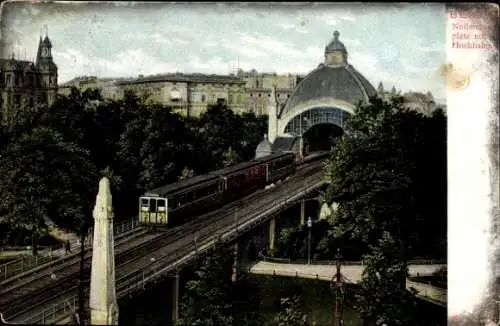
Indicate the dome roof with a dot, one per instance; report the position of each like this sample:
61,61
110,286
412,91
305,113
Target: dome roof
335,44
341,83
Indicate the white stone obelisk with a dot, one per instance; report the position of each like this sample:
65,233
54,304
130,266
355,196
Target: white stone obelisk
103,305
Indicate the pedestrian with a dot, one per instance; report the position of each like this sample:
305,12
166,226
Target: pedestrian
68,247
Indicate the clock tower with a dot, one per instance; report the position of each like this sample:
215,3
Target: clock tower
47,68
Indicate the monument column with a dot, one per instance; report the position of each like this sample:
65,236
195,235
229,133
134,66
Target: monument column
103,305
272,126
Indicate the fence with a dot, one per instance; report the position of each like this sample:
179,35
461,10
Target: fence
26,263
343,262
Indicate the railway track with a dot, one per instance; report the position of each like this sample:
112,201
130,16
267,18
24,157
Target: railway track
134,263
29,265
55,280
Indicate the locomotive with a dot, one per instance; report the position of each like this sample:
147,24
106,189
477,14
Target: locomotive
172,204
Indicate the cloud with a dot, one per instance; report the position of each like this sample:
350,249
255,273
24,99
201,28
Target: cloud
330,21
348,18
335,18
295,27
196,64
73,63
245,51
271,45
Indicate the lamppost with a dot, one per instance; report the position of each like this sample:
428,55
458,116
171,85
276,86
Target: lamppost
309,226
338,285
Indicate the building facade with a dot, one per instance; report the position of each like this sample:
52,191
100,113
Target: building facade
417,101
189,94
25,83
107,86
259,88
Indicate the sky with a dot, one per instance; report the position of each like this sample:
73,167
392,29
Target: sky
398,44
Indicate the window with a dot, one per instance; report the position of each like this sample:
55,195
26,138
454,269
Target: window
31,101
251,94
144,204
203,97
161,205
260,95
152,206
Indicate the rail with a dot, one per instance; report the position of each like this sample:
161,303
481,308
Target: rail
158,268
15,267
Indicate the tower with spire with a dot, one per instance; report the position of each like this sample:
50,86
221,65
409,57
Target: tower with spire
380,90
46,66
26,83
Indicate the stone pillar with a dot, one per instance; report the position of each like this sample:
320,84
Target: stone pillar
302,212
175,299
234,275
272,125
103,305
272,234
301,146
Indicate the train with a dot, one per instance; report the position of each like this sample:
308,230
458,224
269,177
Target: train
173,204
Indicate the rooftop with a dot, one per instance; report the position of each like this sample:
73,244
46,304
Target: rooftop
190,78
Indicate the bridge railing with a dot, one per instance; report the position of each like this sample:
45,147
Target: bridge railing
26,263
139,278
428,291
278,260
54,313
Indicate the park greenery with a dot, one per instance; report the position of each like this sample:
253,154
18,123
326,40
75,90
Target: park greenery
388,194
387,188
388,197
51,158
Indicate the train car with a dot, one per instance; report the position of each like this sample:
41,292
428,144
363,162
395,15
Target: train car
242,178
183,198
279,166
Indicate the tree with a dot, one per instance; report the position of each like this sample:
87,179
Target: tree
41,172
211,298
219,129
376,176
290,314
207,297
383,298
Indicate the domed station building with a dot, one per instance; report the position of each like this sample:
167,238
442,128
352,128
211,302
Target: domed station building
325,96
